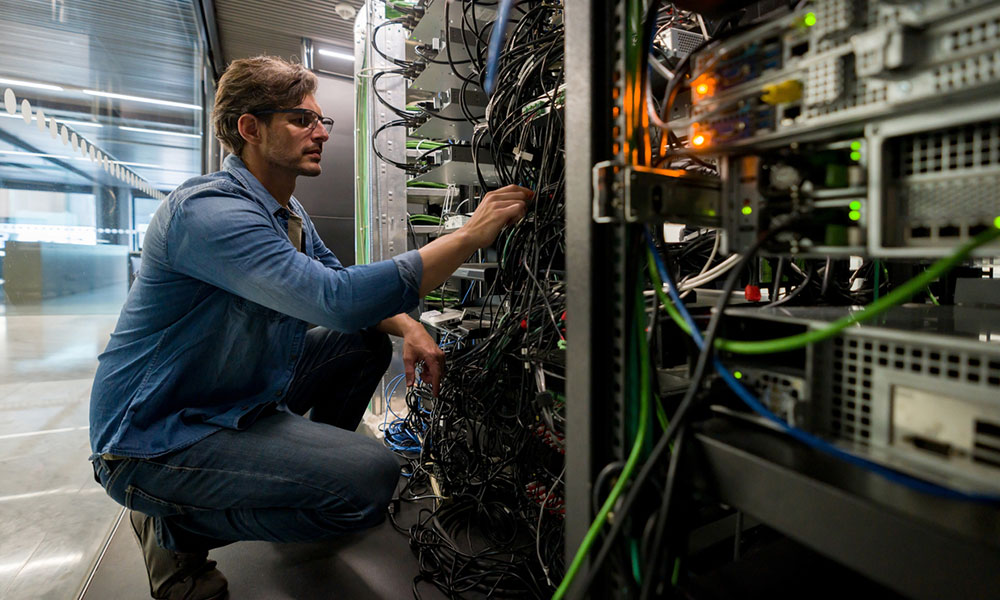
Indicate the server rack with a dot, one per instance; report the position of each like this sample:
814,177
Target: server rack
915,545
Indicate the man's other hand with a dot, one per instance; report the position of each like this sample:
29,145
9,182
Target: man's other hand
418,346
498,209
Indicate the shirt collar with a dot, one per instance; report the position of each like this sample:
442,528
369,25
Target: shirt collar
234,165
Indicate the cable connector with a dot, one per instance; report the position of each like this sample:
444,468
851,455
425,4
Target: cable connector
751,293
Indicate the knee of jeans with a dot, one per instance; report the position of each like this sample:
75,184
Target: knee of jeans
374,485
379,479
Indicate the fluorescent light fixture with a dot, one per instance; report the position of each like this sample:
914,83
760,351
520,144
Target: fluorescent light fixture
81,123
141,99
35,154
31,84
60,121
161,132
335,54
133,164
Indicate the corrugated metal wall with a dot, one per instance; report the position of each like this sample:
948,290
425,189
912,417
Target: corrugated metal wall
252,27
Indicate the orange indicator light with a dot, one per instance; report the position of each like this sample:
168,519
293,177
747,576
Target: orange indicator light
702,86
698,140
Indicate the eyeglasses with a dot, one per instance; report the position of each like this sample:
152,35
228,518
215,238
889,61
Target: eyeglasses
303,117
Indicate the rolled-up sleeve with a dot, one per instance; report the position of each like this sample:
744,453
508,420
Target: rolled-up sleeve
411,271
230,242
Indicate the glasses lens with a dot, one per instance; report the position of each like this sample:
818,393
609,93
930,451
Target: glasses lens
304,119
327,124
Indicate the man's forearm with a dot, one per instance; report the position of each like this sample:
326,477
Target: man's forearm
442,257
398,325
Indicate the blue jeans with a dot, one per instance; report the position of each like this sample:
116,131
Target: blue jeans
283,479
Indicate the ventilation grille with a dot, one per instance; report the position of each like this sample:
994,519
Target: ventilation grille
975,70
986,444
947,183
850,401
867,92
824,82
967,147
974,35
779,392
854,360
836,19
680,42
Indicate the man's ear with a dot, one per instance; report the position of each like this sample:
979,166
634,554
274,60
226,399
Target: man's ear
251,129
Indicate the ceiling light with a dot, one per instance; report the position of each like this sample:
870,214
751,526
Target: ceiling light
141,99
161,132
334,54
35,154
31,84
81,123
60,121
135,164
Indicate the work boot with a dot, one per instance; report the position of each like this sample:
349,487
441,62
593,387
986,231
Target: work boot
176,575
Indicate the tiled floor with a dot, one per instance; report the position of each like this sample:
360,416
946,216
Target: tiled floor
54,519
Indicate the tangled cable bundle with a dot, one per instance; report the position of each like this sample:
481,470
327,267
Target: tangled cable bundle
488,452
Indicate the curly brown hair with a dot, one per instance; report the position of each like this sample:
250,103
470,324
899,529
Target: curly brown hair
253,84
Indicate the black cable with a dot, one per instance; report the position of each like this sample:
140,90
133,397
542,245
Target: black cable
682,410
393,60
655,563
398,123
798,289
776,276
490,436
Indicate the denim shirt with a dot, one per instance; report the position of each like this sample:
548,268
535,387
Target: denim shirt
216,320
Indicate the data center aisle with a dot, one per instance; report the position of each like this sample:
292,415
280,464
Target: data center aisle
53,517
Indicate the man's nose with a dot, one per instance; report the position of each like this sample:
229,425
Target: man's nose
319,133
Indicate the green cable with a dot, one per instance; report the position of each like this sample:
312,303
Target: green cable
626,474
428,218
661,415
426,184
932,296
634,551
424,144
361,164
793,342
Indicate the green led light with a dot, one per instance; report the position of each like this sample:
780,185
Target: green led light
809,19
996,222
738,374
856,205
855,145
854,215
747,210
855,155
